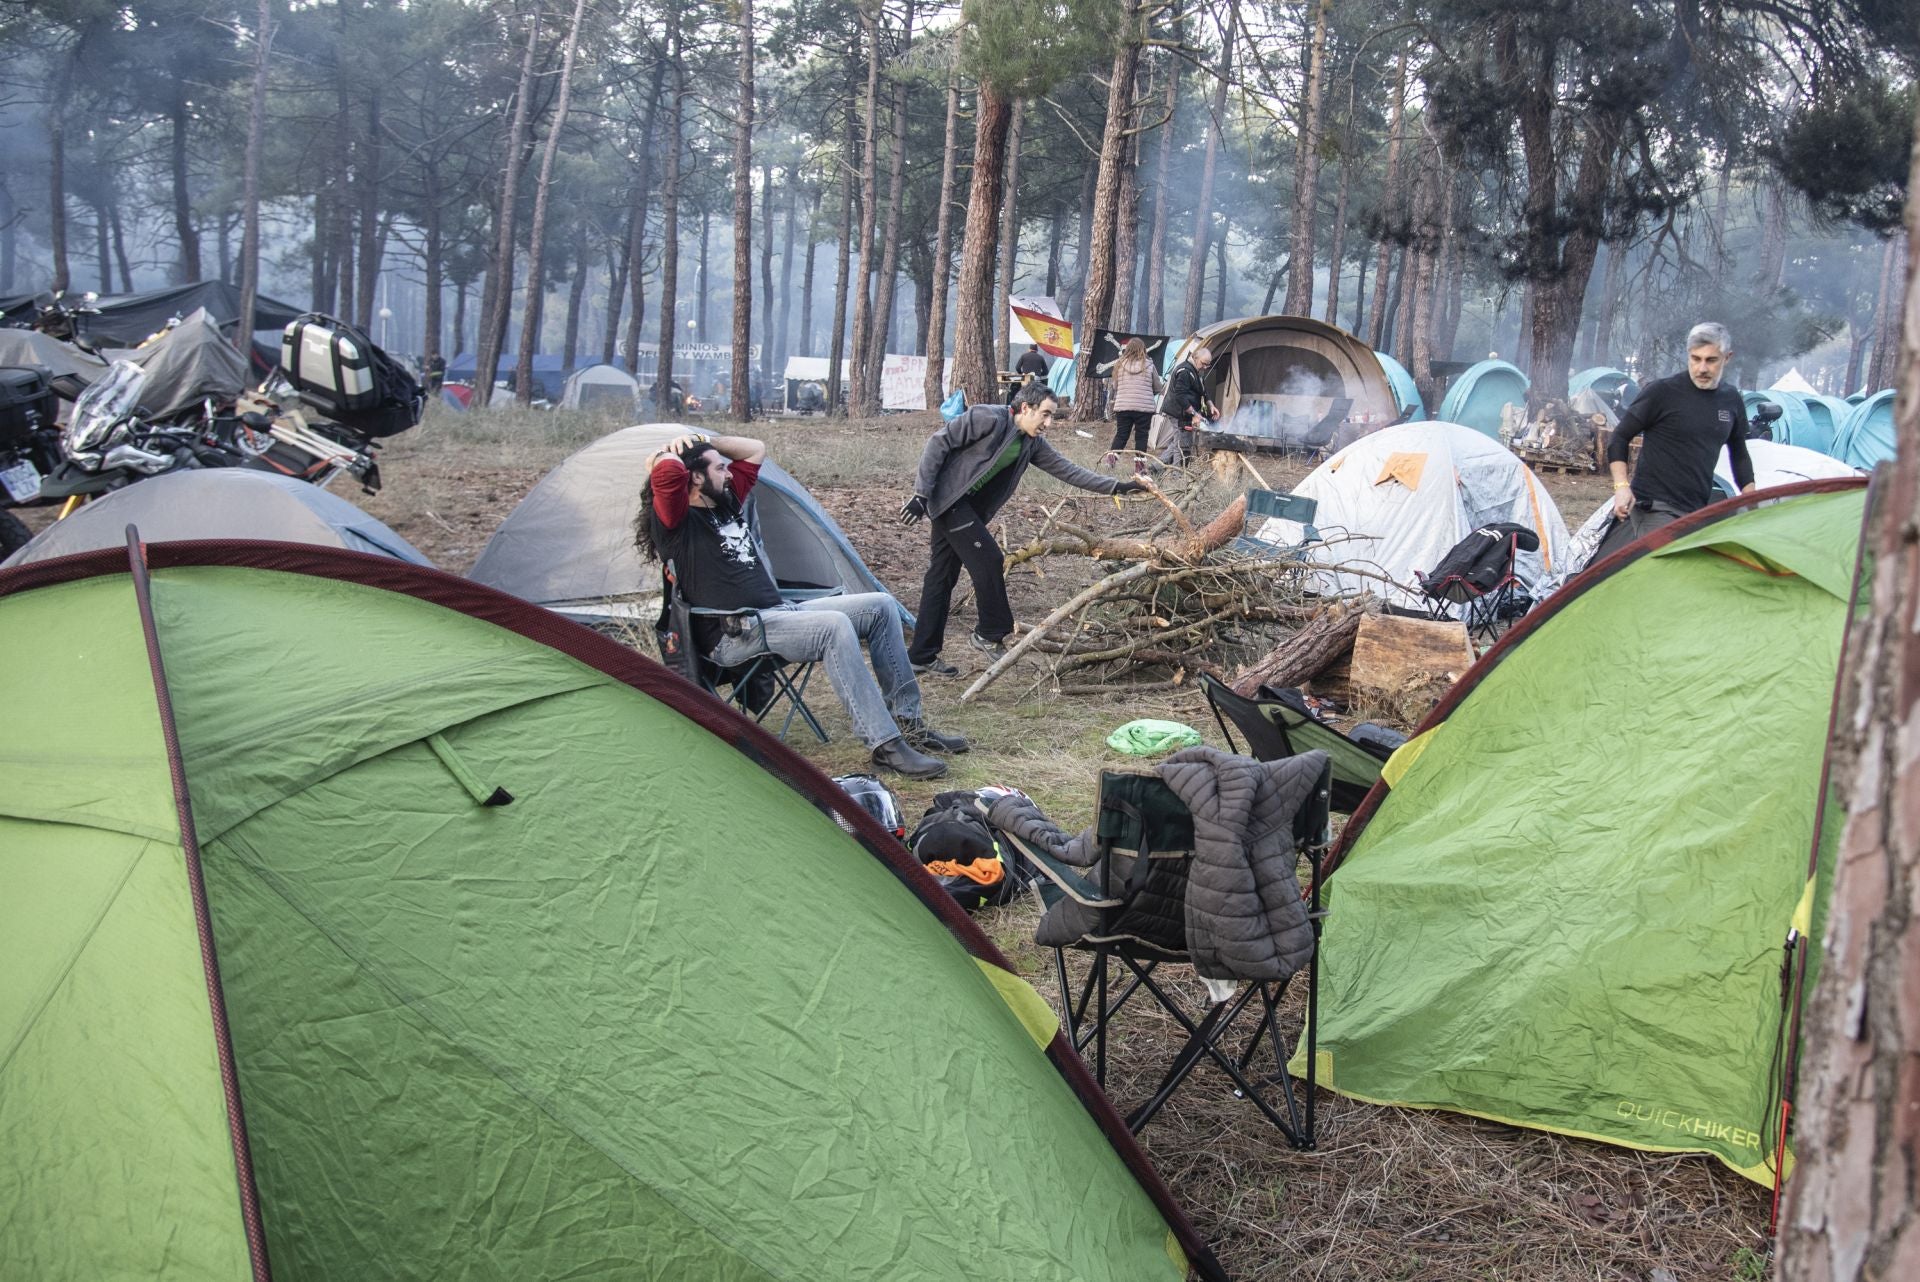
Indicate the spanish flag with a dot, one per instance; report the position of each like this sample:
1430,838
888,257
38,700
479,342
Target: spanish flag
1040,321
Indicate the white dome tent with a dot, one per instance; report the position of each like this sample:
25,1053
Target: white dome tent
1395,501
600,385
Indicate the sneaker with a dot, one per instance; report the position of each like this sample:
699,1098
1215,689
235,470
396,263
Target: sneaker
935,667
1139,467
1112,460
925,738
992,649
898,755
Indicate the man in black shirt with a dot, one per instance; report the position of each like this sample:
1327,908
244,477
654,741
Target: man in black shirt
1185,402
1030,366
1686,419
692,514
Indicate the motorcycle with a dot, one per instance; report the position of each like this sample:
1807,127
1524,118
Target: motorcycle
58,315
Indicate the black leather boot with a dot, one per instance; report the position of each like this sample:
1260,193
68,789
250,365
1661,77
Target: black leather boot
898,755
925,738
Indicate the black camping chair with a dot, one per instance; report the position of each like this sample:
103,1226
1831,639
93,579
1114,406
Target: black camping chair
1140,816
1279,724
1477,576
755,687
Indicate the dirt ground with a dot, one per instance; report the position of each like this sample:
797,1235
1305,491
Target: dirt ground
1389,1193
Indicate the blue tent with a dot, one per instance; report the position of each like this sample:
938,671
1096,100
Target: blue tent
1829,415
1867,437
549,372
1405,393
1607,383
1854,398
1795,426
1477,396
1064,376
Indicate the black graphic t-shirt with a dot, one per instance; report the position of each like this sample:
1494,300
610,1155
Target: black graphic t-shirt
719,563
1685,428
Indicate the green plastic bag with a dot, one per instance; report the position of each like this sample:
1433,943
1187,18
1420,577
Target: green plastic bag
1150,738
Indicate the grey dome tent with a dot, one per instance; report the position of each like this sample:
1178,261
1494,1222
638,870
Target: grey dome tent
600,385
1292,382
569,545
219,503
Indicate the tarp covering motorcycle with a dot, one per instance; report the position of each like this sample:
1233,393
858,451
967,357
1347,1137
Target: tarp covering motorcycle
502,920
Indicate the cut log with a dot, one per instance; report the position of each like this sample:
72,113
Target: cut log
1324,641
1392,653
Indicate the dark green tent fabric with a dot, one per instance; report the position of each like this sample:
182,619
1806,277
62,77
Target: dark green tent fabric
1567,906
658,1016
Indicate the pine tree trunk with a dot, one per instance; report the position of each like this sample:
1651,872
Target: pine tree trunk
542,189
1858,337
862,399
1203,206
705,289
1425,250
740,407
1773,239
617,265
1156,314
460,317
367,187
1359,292
434,252
1851,1211
1306,173
1056,235
884,288
103,245
782,335
1220,261
1390,201
1126,230
1097,305
836,349
1337,251
346,202
973,350
183,231
496,296
665,332
576,295
1010,238
57,167
635,256
250,179
936,344
1076,288
769,305
1886,316
806,277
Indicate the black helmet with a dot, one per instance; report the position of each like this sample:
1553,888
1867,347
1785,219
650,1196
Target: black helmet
876,799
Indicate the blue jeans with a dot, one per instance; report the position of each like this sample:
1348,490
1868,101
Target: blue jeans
829,630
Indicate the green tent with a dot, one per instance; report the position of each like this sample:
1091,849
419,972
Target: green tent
359,921
1567,903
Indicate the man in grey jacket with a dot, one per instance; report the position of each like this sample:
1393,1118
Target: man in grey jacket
969,469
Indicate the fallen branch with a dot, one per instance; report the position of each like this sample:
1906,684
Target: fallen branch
1067,611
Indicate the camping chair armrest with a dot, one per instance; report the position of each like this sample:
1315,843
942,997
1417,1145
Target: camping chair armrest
808,592
1060,873
757,629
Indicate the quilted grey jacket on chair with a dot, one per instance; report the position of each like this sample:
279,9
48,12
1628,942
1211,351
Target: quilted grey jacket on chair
1243,917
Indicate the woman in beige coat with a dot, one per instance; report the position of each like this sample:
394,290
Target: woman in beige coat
1136,394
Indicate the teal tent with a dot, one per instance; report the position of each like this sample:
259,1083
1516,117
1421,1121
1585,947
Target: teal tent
1795,426
1553,911
1609,384
1478,396
1406,393
1064,376
1867,436
363,922
1829,415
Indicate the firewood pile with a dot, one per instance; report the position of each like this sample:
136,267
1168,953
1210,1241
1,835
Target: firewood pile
1179,596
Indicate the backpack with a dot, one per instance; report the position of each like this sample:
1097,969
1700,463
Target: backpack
957,845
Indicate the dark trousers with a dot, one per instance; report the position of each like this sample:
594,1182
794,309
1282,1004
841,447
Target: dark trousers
961,540
1136,423
1643,519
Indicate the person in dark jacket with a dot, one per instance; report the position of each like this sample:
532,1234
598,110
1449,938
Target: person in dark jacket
1686,420
1186,402
1031,365
970,467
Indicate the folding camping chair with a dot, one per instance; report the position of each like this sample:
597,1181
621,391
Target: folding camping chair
1141,817
1263,505
1477,576
1279,724
755,687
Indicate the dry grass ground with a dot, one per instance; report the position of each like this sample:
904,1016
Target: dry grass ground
1389,1193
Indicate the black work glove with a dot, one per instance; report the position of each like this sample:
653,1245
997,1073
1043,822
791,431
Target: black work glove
1129,487
914,510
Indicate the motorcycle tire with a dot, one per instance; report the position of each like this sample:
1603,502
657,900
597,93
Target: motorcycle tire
13,534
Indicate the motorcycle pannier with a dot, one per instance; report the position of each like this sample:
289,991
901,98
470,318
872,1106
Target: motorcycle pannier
26,402
338,370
